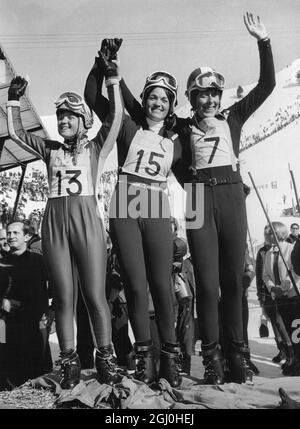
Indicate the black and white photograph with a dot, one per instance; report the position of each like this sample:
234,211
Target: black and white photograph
150,207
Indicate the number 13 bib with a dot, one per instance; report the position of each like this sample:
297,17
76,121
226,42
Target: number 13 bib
67,179
212,145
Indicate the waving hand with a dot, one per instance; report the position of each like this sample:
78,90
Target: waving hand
255,26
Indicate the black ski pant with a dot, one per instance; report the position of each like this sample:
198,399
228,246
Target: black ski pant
218,250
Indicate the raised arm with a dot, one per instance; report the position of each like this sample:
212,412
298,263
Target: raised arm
30,142
111,126
131,104
244,108
93,92
93,89
109,131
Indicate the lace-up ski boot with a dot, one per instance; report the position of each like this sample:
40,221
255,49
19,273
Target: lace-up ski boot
70,369
239,371
106,365
170,367
145,368
213,362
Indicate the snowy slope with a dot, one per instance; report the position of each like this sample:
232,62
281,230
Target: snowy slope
270,159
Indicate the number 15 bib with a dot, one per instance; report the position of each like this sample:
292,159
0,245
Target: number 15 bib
150,155
212,145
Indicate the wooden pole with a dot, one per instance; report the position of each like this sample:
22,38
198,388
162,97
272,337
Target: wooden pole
275,236
23,167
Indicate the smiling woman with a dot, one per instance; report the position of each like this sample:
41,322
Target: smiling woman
147,149
68,124
157,104
205,153
208,102
73,234
218,248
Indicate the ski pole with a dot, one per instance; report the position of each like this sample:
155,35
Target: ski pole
275,235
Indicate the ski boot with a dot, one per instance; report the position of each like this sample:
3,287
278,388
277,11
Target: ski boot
239,371
106,365
213,362
145,368
170,364
70,369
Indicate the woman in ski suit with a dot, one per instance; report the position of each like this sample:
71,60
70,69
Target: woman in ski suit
218,248
210,150
147,149
73,235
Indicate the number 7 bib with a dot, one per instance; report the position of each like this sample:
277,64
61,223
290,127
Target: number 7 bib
212,148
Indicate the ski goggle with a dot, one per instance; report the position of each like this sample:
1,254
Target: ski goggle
209,80
163,80
157,77
76,104
71,99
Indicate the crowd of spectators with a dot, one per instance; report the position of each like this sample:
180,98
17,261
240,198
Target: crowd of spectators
282,118
35,188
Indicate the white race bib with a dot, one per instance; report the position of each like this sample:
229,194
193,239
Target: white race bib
212,145
69,181
150,155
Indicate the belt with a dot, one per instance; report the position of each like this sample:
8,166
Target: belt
213,181
145,186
